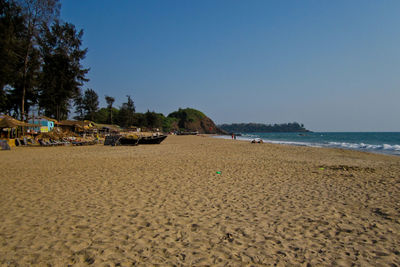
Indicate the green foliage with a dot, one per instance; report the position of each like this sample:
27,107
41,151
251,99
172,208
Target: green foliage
168,124
186,115
110,101
62,74
139,120
37,15
259,127
19,60
149,120
102,115
79,107
126,113
11,38
90,104
154,120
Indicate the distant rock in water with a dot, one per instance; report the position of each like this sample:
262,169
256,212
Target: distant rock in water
192,120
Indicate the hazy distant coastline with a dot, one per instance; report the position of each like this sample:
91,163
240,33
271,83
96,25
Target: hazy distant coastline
263,128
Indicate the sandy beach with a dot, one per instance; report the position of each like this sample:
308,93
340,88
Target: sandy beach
167,205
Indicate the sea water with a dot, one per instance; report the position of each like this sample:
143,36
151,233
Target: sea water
378,142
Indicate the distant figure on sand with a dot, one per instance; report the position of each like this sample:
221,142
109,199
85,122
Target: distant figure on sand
257,141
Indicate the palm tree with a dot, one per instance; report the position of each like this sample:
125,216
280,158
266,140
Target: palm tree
110,101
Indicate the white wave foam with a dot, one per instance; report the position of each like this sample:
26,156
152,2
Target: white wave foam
355,145
365,146
391,149
292,143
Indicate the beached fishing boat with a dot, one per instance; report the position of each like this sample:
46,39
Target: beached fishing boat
128,141
133,140
120,140
145,140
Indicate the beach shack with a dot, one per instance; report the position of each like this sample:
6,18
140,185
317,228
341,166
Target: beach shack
80,127
11,129
45,124
104,129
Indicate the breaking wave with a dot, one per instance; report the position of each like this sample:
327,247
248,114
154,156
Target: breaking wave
393,149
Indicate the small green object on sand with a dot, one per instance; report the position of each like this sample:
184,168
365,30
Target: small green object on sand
218,172
322,169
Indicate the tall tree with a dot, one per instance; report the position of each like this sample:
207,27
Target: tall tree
153,119
36,13
125,115
90,104
79,107
11,25
62,72
110,101
12,29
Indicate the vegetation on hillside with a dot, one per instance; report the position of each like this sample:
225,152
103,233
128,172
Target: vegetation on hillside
259,127
184,116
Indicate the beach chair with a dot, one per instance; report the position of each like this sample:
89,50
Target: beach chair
24,141
44,143
63,142
54,142
31,141
76,143
17,142
66,141
4,145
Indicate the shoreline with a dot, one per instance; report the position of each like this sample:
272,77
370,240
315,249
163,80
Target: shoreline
196,200
335,145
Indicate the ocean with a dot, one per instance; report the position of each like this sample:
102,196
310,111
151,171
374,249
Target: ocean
377,142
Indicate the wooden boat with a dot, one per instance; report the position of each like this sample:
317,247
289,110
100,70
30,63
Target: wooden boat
146,140
128,141
133,140
119,140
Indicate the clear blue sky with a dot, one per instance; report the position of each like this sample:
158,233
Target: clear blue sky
332,65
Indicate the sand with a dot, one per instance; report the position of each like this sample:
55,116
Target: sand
166,205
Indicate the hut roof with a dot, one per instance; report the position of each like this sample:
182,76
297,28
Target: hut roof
43,118
79,124
9,122
107,126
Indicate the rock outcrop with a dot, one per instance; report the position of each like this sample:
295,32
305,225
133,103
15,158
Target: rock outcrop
192,120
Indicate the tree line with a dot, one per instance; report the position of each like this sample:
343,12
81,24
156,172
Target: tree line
259,127
87,108
40,59
41,69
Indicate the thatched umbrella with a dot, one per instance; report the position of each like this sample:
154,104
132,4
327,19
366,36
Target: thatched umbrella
8,122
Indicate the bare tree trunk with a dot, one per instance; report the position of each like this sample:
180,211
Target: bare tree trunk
58,112
28,48
24,84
